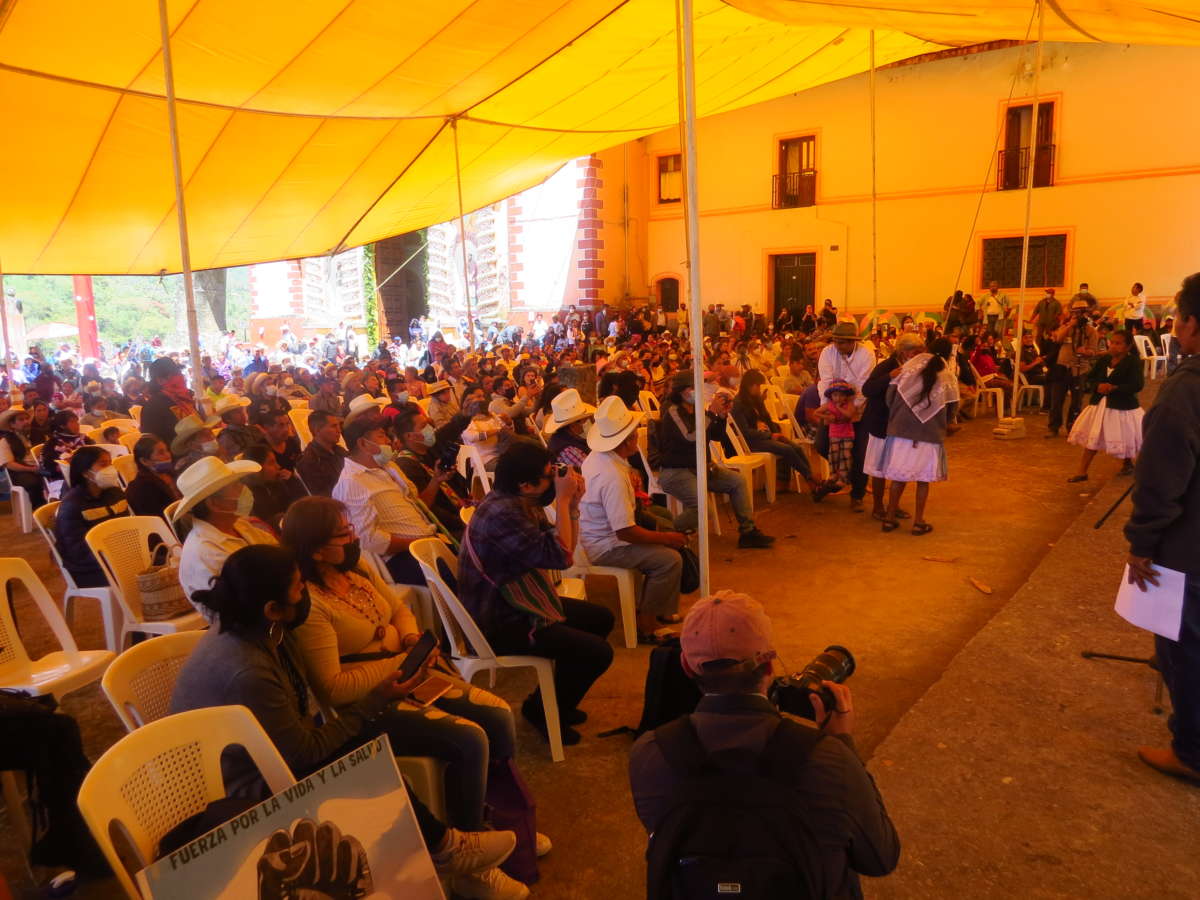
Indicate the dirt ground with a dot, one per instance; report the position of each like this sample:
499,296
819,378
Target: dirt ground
832,578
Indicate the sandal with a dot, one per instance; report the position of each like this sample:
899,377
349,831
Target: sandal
1075,479
901,514
890,525
882,517
922,528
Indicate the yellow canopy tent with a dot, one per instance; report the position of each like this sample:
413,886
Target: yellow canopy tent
309,125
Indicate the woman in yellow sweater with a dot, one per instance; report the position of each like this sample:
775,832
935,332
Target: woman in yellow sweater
358,631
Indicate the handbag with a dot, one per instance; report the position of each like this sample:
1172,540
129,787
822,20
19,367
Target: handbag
689,575
510,806
162,594
533,592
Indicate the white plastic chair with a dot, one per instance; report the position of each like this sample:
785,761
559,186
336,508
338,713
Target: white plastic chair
129,439
57,673
135,413
299,419
44,519
178,529
122,547
1151,358
748,462
478,470
126,426
165,772
126,467
629,586
22,508
649,404
470,650
139,682
1036,392
992,396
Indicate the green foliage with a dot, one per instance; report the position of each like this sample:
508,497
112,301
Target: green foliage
370,299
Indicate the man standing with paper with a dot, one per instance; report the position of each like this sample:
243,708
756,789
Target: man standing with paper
1164,529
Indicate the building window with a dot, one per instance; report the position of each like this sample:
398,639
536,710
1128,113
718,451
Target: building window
1047,261
795,183
1012,168
670,178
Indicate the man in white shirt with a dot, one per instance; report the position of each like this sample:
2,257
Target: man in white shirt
381,502
995,305
608,532
848,359
219,504
1135,310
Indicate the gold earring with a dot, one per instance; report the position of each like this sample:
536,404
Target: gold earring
277,638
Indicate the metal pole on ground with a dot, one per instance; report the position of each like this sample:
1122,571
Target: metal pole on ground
185,253
4,324
462,237
874,208
685,46
1029,178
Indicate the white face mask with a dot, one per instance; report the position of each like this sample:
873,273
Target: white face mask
106,477
270,390
428,436
245,502
212,448
689,397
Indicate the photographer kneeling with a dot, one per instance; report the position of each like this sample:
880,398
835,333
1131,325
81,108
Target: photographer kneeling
738,796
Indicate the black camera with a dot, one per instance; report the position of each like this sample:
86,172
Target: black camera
793,693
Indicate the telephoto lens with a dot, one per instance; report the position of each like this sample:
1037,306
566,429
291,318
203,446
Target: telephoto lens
793,693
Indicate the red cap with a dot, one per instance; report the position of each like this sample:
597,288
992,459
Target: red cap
726,625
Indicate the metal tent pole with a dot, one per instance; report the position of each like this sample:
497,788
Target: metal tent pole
874,195
685,46
185,253
462,237
4,326
1029,177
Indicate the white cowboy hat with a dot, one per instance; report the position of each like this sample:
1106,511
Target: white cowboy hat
206,476
230,402
567,407
363,403
436,387
187,427
614,423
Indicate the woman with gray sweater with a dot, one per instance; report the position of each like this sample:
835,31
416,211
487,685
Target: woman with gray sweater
251,661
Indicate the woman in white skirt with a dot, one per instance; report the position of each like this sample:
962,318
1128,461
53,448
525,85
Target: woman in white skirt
1112,421
914,450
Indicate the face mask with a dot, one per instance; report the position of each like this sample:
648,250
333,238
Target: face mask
428,436
350,556
401,397
245,503
689,397
270,390
212,448
106,477
384,455
303,608
163,467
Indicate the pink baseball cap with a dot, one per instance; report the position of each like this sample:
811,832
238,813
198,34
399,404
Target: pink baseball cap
726,625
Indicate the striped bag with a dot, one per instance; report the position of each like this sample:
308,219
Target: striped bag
532,592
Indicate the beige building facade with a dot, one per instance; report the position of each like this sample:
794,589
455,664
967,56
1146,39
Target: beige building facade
785,186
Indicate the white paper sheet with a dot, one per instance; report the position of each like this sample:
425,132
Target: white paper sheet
1158,609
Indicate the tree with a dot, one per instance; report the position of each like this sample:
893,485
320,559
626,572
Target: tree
210,289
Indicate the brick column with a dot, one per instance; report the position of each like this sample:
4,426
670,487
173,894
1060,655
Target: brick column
589,241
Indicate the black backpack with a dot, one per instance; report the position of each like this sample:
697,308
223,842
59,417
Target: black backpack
669,692
735,828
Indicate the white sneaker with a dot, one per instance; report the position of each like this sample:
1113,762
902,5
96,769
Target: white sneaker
543,845
491,884
468,852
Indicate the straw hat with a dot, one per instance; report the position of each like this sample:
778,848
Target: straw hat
567,407
361,404
187,427
11,413
206,476
614,423
230,402
436,387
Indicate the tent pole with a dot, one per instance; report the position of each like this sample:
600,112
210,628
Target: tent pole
685,47
185,253
462,238
4,325
1029,177
874,194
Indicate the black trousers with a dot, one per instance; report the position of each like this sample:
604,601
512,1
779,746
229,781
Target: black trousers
405,569
858,478
1179,662
1062,384
579,647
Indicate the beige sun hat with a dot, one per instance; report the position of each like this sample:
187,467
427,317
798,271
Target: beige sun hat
567,407
206,476
187,427
614,423
230,402
361,404
436,387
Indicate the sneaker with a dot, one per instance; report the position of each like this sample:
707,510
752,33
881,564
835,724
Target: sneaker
489,885
754,540
543,845
468,852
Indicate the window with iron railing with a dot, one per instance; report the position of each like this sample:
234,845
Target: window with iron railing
1012,168
795,183
1047,266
